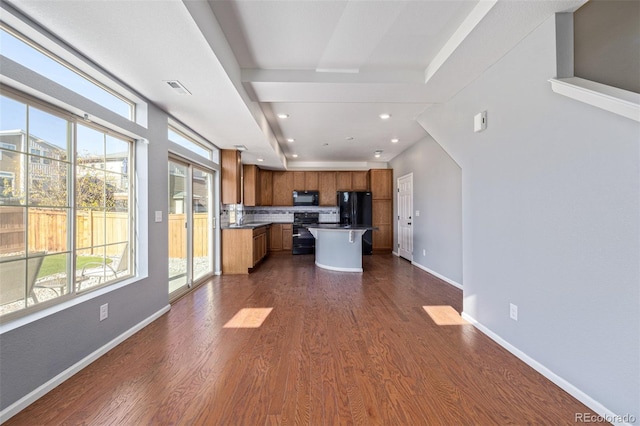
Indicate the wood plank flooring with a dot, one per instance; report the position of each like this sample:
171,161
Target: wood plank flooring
337,348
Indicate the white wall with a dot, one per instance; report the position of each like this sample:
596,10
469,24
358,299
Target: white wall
551,196
437,194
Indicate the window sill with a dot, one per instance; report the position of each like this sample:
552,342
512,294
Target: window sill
12,324
612,99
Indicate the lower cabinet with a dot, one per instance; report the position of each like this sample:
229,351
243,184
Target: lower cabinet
242,249
287,237
383,220
281,237
260,249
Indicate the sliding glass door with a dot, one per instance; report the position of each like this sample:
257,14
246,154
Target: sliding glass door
190,225
202,230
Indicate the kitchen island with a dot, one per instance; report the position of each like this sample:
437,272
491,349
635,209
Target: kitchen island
339,247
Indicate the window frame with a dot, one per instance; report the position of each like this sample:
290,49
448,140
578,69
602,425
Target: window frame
73,292
133,107
175,129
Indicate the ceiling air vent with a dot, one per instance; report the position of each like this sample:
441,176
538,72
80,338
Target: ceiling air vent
178,87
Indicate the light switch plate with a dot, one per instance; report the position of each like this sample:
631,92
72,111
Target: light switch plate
158,216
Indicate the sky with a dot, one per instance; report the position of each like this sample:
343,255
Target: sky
22,53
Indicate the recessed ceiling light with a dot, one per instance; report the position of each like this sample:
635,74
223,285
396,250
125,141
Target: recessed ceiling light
385,116
283,115
377,153
395,140
260,160
241,147
295,155
291,140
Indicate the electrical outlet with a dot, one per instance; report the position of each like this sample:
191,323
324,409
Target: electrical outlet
104,311
513,311
424,252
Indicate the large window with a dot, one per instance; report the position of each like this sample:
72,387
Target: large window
179,138
65,215
21,50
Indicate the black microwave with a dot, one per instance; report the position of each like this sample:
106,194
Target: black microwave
305,198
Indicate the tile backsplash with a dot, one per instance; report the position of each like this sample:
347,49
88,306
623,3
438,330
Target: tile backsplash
274,214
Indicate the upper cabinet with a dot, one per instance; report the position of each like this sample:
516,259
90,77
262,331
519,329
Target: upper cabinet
327,181
274,188
381,184
343,181
352,181
231,176
360,181
311,181
266,187
252,189
283,188
298,181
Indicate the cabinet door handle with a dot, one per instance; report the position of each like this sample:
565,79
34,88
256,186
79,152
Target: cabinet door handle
409,223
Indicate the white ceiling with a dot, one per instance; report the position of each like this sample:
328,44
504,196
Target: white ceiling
332,65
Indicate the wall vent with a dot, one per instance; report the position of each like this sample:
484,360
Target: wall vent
178,87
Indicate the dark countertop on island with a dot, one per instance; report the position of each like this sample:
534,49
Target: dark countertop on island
253,225
340,227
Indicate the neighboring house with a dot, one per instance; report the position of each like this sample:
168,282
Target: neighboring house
44,164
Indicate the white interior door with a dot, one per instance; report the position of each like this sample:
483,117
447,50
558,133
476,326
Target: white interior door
405,222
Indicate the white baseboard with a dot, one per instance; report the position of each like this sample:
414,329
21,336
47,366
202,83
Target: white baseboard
396,254
41,390
434,273
600,409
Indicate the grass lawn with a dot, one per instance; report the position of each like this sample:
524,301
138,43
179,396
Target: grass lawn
58,263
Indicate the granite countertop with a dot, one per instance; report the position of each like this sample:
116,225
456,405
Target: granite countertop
340,227
252,225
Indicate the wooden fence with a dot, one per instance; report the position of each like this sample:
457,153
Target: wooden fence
178,235
48,231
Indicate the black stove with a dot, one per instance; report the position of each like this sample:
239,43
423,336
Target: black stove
303,241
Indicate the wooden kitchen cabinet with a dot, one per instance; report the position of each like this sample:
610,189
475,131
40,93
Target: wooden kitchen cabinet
266,187
275,243
283,188
242,249
260,244
360,181
381,181
251,179
327,182
287,237
311,181
298,181
343,181
281,237
231,176
381,184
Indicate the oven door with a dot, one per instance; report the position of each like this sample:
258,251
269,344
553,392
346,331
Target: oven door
303,240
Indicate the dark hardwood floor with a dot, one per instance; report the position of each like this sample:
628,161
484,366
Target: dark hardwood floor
337,348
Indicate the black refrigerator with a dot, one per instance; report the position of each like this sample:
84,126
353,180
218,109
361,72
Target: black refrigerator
355,209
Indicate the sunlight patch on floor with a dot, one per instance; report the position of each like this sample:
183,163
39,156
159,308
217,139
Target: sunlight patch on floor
248,318
444,315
